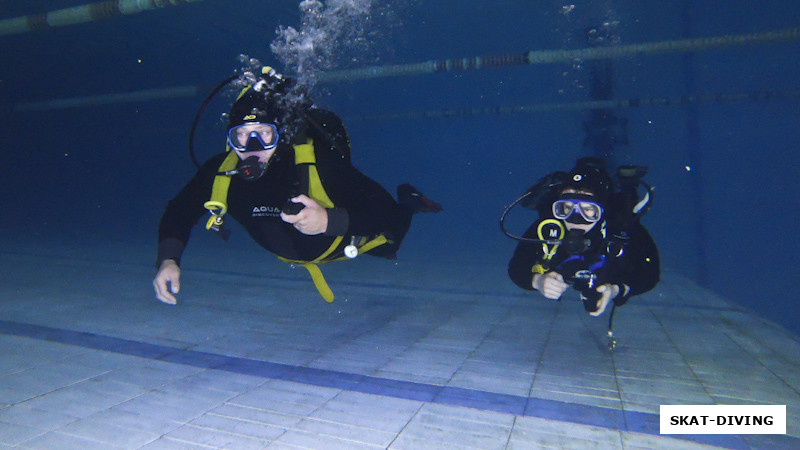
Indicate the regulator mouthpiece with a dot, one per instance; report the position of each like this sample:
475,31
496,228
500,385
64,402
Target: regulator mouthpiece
251,169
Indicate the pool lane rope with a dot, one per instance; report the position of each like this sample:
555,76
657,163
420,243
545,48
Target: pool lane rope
191,91
475,63
683,100
563,56
90,12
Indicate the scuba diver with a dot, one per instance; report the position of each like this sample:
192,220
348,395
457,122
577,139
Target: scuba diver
286,177
588,236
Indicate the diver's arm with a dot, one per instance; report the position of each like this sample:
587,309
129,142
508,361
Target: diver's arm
170,248
608,293
183,212
174,230
550,284
641,265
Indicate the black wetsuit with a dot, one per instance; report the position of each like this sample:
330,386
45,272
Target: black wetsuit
627,255
361,206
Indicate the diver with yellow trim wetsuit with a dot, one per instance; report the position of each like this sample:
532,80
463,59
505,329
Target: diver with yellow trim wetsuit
588,236
287,179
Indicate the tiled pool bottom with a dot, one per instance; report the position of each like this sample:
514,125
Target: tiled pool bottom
91,360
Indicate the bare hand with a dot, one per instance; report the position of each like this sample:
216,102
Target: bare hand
313,219
168,273
550,284
608,291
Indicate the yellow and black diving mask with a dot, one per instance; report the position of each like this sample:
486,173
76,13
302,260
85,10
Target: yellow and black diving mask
589,210
253,137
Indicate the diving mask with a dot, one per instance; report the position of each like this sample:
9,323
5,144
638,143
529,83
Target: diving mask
253,137
590,211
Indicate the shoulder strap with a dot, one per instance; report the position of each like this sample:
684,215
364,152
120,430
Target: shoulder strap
218,204
306,162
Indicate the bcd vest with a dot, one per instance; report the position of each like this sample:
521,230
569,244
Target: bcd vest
305,161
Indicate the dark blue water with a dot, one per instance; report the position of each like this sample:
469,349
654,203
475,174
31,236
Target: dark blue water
726,173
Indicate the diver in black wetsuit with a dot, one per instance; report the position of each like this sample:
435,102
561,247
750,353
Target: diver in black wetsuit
587,236
287,178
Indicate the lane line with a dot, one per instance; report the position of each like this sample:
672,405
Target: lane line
630,421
